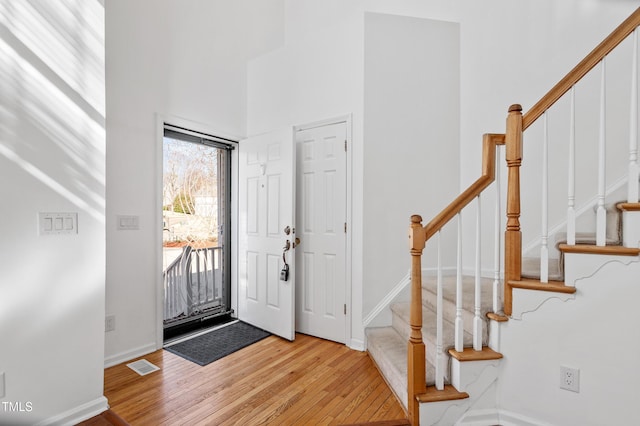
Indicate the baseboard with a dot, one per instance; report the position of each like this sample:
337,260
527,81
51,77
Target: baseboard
357,345
495,416
129,355
78,414
480,417
386,301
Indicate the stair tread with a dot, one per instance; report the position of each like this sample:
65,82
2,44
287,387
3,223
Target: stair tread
618,250
389,351
553,286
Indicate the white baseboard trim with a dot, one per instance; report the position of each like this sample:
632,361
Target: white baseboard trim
116,359
494,416
78,414
479,417
357,345
386,301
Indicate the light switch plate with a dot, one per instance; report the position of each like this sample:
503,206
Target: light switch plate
128,223
54,223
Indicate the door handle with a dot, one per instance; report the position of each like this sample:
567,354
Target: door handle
296,242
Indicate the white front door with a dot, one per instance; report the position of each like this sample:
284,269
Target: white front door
321,219
266,207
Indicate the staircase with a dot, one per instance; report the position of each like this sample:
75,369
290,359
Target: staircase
441,352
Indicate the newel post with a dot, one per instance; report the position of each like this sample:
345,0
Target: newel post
416,377
513,236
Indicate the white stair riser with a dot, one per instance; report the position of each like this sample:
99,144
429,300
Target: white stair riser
631,229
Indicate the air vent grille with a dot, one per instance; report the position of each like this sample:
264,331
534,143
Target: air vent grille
143,367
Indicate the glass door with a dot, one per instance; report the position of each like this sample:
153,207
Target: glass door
196,227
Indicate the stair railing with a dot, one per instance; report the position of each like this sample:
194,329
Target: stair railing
517,124
418,236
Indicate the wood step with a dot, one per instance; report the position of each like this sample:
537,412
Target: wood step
593,249
554,286
628,207
469,354
449,393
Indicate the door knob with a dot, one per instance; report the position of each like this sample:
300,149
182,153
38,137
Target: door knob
296,242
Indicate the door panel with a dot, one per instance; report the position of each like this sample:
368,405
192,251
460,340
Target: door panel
266,206
321,201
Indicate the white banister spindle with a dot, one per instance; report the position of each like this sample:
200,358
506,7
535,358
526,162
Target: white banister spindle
439,371
601,212
496,243
544,244
477,321
634,170
459,324
571,170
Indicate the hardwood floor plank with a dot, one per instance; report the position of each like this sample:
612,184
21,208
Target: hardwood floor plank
274,381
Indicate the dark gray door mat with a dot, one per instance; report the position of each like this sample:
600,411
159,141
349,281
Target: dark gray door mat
208,347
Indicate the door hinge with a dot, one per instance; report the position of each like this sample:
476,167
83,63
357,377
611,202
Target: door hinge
345,309
345,145
345,227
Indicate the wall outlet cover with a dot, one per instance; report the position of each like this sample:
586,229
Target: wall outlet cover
570,379
110,323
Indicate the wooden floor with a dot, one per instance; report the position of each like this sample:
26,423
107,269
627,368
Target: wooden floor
306,382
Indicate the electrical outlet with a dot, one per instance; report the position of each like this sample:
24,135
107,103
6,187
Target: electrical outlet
110,323
570,379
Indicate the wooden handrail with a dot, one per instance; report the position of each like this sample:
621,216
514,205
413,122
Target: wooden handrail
418,235
489,142
580,70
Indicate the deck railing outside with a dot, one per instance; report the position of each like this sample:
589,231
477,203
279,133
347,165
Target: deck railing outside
193,283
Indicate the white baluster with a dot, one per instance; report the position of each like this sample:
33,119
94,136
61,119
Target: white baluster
601,212
571,212
459,323
496,243
544,244
634,170
439,372
477,321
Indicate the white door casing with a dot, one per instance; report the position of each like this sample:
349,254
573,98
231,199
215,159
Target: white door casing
266,206
321,218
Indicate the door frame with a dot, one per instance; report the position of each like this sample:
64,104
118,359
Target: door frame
347,119
161,119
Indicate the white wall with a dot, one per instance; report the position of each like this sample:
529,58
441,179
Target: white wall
52,159
182,61
411,139
595,333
